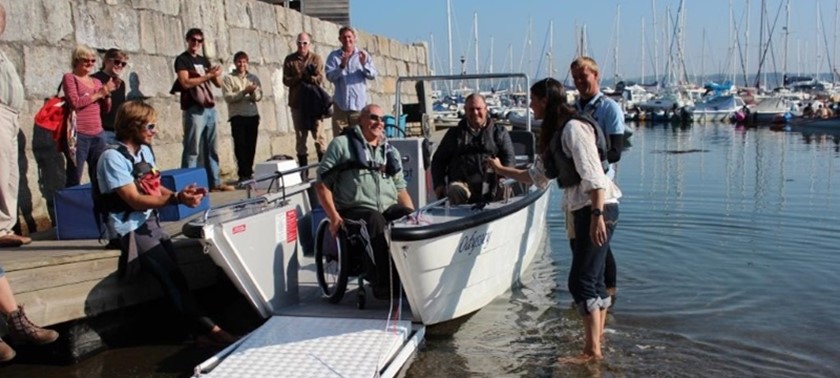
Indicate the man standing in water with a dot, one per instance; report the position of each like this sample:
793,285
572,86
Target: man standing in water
611,119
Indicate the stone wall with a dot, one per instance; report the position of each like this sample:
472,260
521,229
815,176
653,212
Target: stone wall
40,35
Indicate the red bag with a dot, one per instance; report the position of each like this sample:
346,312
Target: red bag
54,117
51,116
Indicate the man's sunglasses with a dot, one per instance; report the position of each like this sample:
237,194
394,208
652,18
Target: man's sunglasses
199,40
376,118
302,43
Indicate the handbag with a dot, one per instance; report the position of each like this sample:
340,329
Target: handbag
52,115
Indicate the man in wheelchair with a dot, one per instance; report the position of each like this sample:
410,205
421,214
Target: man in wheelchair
361,178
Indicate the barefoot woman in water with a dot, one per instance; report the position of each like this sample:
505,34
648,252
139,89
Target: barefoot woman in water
573,150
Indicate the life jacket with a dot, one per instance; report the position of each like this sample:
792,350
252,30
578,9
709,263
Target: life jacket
146,177
561,166
362,159
469,165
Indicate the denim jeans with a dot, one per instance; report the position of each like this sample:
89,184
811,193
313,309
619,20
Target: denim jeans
88,149
110,137
200,142
586,276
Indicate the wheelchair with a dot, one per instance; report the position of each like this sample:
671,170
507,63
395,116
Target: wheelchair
337,258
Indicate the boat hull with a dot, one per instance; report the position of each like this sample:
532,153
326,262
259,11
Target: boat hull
447,275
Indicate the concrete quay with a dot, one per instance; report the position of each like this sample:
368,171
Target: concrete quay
61,281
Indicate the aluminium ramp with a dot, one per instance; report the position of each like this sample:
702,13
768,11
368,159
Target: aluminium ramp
288,346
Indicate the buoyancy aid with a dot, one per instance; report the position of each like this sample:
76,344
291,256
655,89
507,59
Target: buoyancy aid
145,175
362,158
468,163
561,166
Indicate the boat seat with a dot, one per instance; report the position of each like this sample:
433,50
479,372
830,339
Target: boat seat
524,147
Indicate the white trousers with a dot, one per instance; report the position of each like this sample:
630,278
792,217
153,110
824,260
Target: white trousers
9,170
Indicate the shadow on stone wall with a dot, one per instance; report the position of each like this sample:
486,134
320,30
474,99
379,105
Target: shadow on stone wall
134,92
51,168
25,206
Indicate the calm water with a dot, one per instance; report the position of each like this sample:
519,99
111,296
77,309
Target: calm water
727,260
728,267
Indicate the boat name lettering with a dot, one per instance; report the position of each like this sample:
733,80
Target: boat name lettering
475,242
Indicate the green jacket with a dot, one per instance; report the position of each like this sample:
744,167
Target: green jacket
355,187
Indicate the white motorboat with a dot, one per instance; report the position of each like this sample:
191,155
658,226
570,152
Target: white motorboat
455,260
718,108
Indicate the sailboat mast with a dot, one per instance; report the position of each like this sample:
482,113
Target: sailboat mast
615,50
834,45
702,59
642,79
747,44
449,31
655,45
818,63
530,49
787,36
475,39
732,47
760,43
550,48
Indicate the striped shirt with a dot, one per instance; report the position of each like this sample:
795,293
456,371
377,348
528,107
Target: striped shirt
80,95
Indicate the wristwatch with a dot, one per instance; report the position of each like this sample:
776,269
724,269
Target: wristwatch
597,212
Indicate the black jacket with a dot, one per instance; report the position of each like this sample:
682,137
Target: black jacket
315,104
461,155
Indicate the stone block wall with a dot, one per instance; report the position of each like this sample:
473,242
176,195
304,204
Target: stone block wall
41,34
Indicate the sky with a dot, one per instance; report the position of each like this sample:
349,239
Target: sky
506,24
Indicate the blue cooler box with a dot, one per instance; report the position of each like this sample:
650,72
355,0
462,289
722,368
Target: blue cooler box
177,179
74,217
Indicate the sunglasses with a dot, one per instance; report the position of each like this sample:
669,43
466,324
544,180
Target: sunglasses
376,118
198,40
302,43
91,61
119,63
150,127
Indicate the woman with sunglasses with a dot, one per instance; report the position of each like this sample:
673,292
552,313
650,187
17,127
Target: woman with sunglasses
86,96
128,191
572,149
112,67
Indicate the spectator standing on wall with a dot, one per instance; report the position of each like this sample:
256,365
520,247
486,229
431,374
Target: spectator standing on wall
112,67
242,90
304,67
87,97
11,100
199,113
348,68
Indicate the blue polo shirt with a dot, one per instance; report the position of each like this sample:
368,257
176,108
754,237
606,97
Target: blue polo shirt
114,171
609,115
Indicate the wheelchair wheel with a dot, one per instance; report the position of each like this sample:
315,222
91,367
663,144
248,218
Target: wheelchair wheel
331,262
